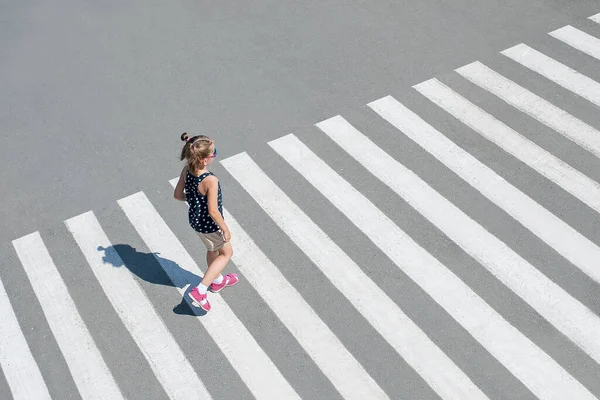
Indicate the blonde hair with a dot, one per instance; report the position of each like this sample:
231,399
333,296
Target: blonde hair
195,150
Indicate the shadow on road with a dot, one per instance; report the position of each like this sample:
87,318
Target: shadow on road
151,267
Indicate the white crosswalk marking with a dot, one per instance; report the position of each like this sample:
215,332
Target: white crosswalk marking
570,179
514,351
579,40
385,316
338,365
566,313
567,241
89,371
22,373
559,73
255,368
164,355
352,381
534,106
519,355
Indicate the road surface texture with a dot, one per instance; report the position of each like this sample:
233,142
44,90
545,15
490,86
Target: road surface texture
412,190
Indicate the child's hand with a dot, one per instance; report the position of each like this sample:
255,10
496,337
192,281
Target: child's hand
226,235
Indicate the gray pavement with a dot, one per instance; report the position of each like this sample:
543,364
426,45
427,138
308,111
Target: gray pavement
96,95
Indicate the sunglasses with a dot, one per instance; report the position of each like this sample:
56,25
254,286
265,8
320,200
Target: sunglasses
214,154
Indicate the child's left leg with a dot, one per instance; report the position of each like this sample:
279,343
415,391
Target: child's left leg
210,257
218,262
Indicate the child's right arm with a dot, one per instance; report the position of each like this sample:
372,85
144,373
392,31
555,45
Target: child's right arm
179,194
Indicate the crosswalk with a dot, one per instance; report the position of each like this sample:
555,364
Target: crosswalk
324,343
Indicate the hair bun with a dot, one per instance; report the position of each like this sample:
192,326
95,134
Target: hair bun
184,137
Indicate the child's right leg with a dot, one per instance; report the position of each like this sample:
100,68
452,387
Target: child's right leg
211,256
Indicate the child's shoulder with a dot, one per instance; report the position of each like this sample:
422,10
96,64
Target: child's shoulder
210,178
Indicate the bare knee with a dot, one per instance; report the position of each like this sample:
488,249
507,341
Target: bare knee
226,250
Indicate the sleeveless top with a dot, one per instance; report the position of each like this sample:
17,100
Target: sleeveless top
198,216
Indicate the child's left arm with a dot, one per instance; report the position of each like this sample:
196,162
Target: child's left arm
212,189
179,194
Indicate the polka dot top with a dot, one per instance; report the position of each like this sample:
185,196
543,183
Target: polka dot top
198,211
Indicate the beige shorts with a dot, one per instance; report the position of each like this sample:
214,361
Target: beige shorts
213,241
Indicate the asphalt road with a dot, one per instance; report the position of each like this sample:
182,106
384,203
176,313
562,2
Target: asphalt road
95,95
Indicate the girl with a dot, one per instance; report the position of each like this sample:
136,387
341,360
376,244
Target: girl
203,194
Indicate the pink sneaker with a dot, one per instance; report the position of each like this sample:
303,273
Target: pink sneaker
228,280
199,300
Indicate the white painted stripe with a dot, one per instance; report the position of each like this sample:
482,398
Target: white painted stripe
89,371
550,300
164,355
22,373
570,179
243,352
534,106
579,40
564,239
595,18
519,355
559,73
352,381
365,295
330,355
576,248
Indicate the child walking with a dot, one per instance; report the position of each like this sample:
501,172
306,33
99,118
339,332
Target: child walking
205,214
